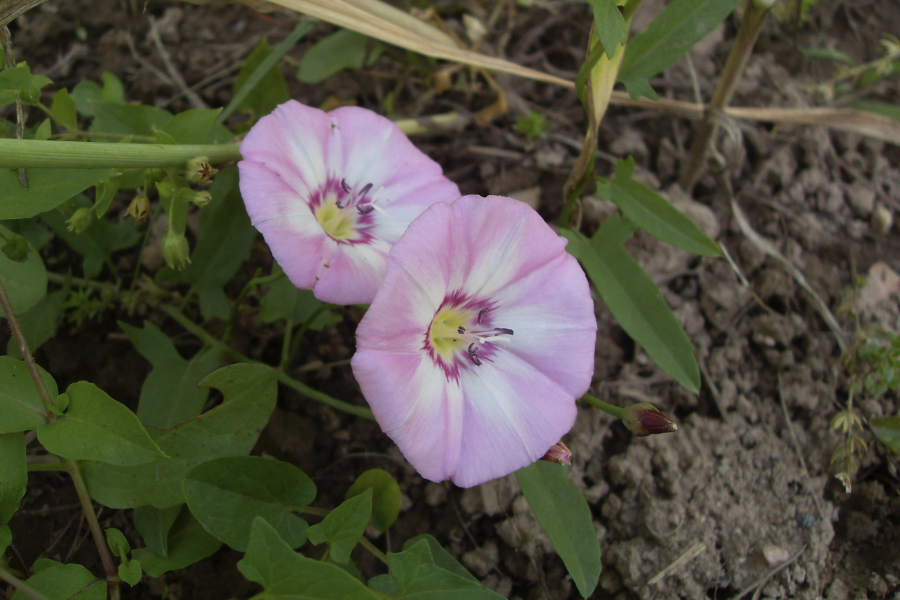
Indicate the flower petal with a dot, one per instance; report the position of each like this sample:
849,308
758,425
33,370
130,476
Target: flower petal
513,415
294,142
414,407
351,273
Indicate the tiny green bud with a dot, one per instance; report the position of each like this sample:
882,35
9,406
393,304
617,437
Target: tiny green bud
16,248
199,171
644,419
80,220
201,199
175,249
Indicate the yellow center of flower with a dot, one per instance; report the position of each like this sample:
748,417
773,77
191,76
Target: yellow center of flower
337,223
444,336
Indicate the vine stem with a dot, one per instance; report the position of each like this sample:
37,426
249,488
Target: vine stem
616,411
283,377
751,24
21,585
96,155
109,567
371,548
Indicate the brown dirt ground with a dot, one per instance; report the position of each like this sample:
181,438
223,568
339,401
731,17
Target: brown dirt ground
726,494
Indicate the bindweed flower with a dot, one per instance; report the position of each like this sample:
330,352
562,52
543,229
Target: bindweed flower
479,341
558,453
644,419
332,192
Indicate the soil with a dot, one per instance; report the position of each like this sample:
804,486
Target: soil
742,499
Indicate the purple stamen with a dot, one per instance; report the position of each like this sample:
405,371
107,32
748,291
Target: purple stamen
481,314
365,211
344,186
473,354
503,330
365,189
461,330
338,204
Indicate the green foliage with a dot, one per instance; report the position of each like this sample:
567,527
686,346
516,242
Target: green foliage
25,281
287,575
5,538
653,213
187,543
47,189
669,36
63,110
609,24
386,496
128,119
532,125
13,475
565,517
343,526
425,570
886,109
56,581
230,429
635,302
154,525
224,241
227,494
19,79
341,50
170,394
196,126
267,88
96,427
87,92
887,430
129,569
286,301
20,403
878,367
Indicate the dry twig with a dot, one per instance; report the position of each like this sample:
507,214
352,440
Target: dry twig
174,75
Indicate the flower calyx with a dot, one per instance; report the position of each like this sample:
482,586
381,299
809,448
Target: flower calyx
558,453
176,250
139,208
80,220
644,419
200,171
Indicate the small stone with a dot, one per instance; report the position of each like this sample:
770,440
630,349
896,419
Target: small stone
882,220
482,560
775,555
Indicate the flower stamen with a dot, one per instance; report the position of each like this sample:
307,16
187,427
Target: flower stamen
481,314
473,354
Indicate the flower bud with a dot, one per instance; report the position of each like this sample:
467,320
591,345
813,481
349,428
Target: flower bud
139,208
16,249
201,199
559,453
175,249
199,170
81,219
644,419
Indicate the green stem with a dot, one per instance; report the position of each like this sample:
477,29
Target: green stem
310,510
295,345
751,24
566,214
137,266
371,548
292,383
97,155
254,283
21,585
616,411
286,341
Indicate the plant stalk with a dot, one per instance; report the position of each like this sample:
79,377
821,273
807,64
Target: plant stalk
98,155
21,585
751,24
616,411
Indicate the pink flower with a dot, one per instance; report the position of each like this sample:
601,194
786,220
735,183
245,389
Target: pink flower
479,341
332,192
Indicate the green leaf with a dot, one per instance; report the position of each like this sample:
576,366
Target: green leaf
113,91
656,215
610,25
887,430
84,94
128,119
386,496
442,558
886,109
418,575
20,79
197,126
829,54
344,49
63,110
130,571
343,526
96,427
57,581
105,192
286,575
670,35
187,543
154,525
5,538
615,230
565,517
13,474
117,543
384,584
230,429
97,243
223,242
267,92
284,300
47,189
20,403
25,282
43,131
39,322
638,88
170,394
636,303
226,494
